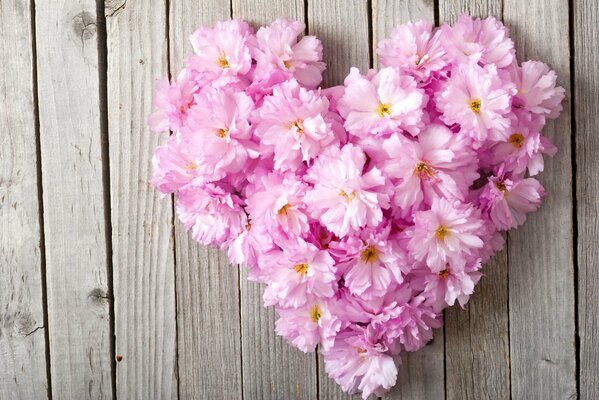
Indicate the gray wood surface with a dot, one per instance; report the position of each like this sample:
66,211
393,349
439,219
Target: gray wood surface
344,37
22,343
477,339
142,242
271,368
73,198
541,256
586,92
209,328
422,373
187,324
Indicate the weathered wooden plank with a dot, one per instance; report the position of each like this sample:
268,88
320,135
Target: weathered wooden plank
208,322
22,344
422,374
477,339
271,368
74,223
343,28
143,248
586,92
541,284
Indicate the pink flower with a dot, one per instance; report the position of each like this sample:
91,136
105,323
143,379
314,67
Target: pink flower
213,215
447,233
414,49
377,264
436,164
172,102
386,102
510,199
451,284
345,198
248,246
178,163
279,49
298,274
308,326
523,149
222,51
479,41
358,361
220,122
478,100
291,123
538,92
276,202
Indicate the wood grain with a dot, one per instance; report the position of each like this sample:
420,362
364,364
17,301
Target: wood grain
344,36
74,222
422,373
477,340
143,248
586,91
209,327
541,289
22,344
271,368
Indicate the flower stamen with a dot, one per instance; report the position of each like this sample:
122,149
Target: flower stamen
424,170
223,62
383,110
283,210
297,124
347,197
315,313
301,269
221,133
444,274
369,254
442,232
516,139
475,105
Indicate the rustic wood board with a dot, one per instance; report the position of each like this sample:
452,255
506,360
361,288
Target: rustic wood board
74,215
271,368
586,92
142,241
422,374
477,340
22,343
209,327
541,270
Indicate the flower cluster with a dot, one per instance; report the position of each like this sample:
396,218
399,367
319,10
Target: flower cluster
366,208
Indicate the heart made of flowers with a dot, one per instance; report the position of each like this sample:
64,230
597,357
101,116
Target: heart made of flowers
365,208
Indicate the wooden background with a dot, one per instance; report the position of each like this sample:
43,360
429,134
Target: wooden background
103,296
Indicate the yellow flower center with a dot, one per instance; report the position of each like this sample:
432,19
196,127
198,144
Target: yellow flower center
359,350
297,124
369,254
347,197
501,186
283,210
474,105
221,133
301,268
287,64
192,166
383,110
315,313
423,169
444,274
442,232
516,139
222,61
